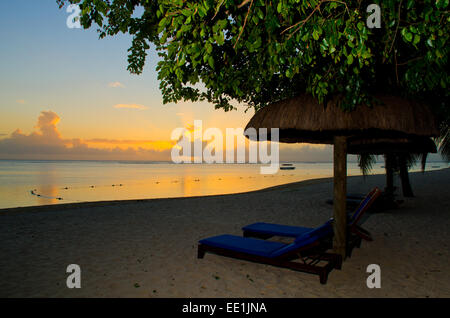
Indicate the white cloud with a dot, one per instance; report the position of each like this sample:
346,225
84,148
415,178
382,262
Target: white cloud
130,106
20,101
116,85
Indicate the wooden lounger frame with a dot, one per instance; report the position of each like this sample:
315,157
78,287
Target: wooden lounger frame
354,239
309,257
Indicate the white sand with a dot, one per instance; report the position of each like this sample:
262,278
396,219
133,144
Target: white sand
153,243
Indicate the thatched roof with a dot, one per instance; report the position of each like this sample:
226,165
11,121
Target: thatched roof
303,119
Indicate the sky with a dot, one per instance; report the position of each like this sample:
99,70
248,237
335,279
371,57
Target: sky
66,94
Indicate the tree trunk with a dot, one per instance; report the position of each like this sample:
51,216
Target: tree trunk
340,195
404,177
389,166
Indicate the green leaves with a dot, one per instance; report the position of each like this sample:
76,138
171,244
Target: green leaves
408,36
265,51
441,4
315,35
350,59
211,61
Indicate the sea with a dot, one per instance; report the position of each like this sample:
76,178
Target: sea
44,182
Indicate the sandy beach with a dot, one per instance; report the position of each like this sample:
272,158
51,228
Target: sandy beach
148,248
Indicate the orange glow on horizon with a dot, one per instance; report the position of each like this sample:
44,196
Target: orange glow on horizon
159,145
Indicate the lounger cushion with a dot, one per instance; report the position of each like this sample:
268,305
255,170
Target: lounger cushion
289,231
301,241
243,244
256,247
319,232
276,229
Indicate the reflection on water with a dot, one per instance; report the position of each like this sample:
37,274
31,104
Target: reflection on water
27,183
47,192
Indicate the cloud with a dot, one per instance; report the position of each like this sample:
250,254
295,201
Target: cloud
47,122
20,101
116,85
47,143
130,106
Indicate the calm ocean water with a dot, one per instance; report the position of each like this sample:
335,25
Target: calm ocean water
30,183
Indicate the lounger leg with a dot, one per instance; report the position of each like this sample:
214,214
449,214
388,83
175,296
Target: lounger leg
349,251
358,242
353,242
334,259
200,252
338,262
323,277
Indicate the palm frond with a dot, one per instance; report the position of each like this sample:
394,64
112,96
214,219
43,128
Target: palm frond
366,162
412,158
444,142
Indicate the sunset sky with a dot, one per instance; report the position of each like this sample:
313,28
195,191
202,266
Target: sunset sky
65,94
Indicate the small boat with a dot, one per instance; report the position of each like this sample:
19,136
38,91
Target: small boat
287,166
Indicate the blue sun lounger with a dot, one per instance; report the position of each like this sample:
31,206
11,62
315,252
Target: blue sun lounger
307,248
266,230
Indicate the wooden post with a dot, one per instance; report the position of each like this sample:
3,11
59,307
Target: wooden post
389,166
340,195
388,162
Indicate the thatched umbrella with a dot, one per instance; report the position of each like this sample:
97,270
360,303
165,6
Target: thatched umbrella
303,119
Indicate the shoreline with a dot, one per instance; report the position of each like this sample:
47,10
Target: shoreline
93,204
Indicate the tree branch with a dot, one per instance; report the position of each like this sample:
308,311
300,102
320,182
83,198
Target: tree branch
245,22
303,22
217,9
411,60
244,3
396,29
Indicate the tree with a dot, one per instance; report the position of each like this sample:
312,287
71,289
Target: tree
394,163
260,51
